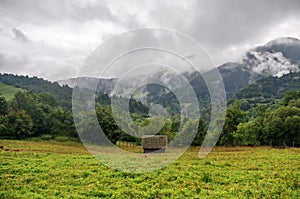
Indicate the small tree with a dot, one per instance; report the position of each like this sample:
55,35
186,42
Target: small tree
3,106
18,124
234,116
202,129
246,134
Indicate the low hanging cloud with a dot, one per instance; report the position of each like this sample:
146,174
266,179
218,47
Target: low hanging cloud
47,37
271,63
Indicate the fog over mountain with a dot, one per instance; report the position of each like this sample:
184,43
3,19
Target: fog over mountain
276,58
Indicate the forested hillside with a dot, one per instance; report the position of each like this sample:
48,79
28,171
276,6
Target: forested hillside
39,85
276,124
269,89
267,112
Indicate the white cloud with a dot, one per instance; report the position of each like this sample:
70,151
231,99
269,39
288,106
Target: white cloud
271,63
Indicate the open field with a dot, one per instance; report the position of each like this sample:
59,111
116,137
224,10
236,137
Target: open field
8,91
66,170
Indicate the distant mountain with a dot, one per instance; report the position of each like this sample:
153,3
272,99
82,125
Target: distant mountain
236,76
276,58
103,85
287,46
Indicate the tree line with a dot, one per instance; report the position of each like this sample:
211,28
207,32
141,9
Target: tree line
40,115
45,111
276,123
32,115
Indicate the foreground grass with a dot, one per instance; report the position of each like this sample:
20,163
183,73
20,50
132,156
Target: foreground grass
67,170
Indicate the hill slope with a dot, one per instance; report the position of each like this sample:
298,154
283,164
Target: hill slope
8,91
270,88
39,85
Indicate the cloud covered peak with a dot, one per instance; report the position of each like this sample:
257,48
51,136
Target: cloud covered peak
286,41
276,58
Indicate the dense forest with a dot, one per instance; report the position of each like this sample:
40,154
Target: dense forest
267,112
270,88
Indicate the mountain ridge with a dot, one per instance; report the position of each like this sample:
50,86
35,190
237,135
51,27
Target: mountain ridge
276,58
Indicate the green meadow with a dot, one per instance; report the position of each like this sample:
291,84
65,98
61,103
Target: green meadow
8,91
49,169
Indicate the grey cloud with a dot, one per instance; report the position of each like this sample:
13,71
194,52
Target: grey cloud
12,64
51,69
55,11
19,35
100,10
216,24
221,22
235,21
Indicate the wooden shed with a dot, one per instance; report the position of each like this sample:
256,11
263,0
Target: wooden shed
154,143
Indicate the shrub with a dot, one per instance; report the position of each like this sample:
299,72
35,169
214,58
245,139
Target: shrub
46,137
61,139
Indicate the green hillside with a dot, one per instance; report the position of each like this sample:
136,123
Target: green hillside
39,85
269,89
8,91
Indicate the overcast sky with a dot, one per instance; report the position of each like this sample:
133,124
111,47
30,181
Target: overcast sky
52,38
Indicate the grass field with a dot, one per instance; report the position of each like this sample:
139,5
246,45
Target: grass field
8,91
66,170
